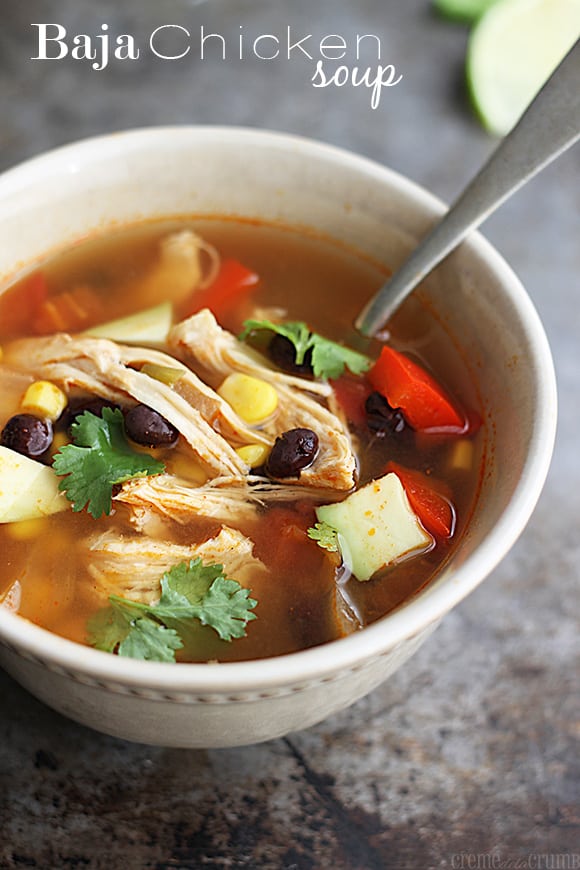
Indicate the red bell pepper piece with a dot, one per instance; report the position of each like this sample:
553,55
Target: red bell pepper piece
434,510
232,282
406,385
352,393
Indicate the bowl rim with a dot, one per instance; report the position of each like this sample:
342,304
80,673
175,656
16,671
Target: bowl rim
413,617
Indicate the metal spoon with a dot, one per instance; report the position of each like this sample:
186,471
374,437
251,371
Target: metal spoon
549,126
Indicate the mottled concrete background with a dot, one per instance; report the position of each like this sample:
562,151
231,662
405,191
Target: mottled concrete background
467,756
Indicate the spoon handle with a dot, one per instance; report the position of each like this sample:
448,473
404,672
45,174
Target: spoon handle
549,126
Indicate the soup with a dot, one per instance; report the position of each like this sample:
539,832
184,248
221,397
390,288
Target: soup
202,460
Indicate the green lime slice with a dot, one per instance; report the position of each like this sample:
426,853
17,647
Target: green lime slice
462,10
513,49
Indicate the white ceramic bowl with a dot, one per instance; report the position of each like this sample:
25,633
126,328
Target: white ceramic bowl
61,196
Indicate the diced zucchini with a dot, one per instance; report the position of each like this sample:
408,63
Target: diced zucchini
149,326
28,489
375,526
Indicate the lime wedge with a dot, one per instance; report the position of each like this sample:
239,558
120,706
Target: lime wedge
513,49
462,10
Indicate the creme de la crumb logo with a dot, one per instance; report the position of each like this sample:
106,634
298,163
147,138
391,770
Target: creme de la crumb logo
332,60
495,860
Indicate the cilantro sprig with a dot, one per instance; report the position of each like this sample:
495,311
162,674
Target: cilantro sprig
191,593
329,359
100,458
325,536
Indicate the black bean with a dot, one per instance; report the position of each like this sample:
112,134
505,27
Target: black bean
283,353
79,406
146,426
27,434
381,418
292,451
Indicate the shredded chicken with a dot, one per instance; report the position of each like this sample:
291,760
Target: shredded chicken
183,249
108,369
179,501
186,262
207,422
200,340
133,566
223,498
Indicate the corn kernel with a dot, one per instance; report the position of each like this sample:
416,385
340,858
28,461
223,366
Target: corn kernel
44,399
253,399
165,374
253,454
461,458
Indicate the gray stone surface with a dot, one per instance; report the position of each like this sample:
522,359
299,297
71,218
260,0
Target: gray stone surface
468,756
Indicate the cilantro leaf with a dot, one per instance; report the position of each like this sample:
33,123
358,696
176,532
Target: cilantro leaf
329,359
100,458
151,641
107,629
191,580
191,593
214,599
325,536
297,332
226,608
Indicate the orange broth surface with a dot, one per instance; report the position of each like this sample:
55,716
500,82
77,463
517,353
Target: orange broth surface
305,599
